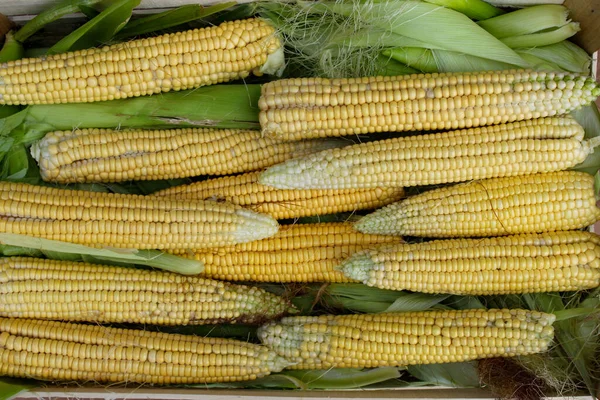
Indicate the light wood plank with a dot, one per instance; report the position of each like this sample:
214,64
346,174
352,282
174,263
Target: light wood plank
587,13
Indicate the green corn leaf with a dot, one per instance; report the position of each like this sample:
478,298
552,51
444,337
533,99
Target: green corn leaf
539,64
54,13
589,117
150,258
464,302
89,12
12,49
526,21
215,106
575,313
416,302
566,55
474,9
170,18
542,38
448,29
451,61
17,163
387,66
274,381
10,388
580,349
99,30
340,378
414,57
344,378
452,374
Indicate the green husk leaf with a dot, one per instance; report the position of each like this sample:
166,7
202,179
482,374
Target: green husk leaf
431,24
451,61
464,302
575,313
589,117
9,387
452,374
526,21
17,163
579,346
539,64
274,381
89,12
54,13
6,111
343,39
340,378
389,67
150,258
360,298
566,55
170,18
99,30
474,9
12,49
216,106
543,38
344,378
416,302
379,37
414,57
522,3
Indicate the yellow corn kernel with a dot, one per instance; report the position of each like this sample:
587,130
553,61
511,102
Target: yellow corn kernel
297,253
545,202
528,263
245,191
177,61
518,148
126,221
411,338
106,155
73,291
60,351
318,107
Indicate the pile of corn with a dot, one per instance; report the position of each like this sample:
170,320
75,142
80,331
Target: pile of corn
511,222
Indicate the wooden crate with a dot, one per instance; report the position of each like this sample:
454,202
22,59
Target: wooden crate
587,12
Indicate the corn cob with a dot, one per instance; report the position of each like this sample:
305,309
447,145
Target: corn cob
525,147
105,155
126,221
317,107
175,61
547,202
549,262
244,190
398,339
297,253
59,351
73,291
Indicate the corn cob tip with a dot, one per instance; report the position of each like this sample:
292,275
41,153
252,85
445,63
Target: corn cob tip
264,333
256,226
357,267
265,307
277,177
275,63
371,223
276,363
590,145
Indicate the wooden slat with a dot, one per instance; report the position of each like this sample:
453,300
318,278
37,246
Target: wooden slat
587,13
5,26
